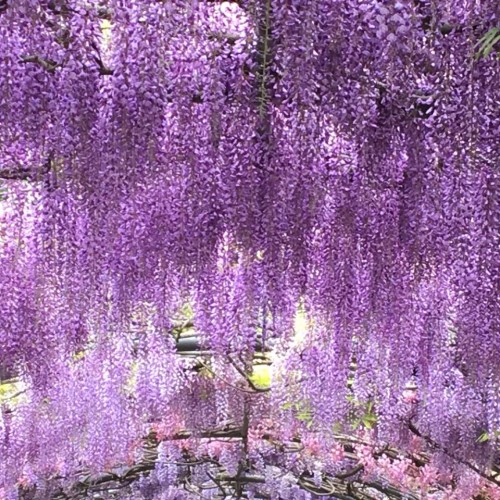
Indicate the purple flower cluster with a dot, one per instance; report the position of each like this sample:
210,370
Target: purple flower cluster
248,158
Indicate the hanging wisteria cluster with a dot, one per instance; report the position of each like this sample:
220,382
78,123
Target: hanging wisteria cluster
227,168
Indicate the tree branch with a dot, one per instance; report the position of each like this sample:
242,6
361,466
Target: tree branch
247,377
447,452
49,64
103,69
26,174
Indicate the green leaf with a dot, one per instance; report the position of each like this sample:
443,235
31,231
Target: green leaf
369,420
487,43
483,438
304,416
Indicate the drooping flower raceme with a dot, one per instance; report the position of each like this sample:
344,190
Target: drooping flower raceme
246,159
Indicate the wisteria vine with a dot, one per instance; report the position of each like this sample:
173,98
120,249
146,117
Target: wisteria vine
217,171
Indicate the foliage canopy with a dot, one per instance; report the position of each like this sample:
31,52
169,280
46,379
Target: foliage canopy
202,176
